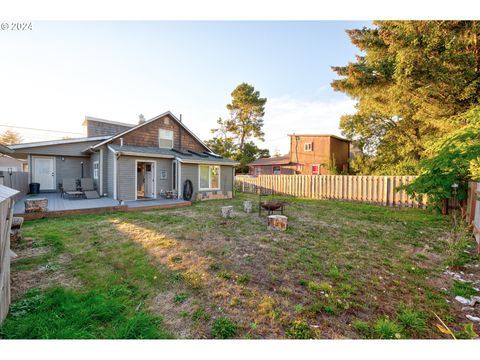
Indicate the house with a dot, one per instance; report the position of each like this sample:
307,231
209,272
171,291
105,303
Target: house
8,163
309,155
131,161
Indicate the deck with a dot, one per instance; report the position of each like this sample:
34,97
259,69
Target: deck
58,206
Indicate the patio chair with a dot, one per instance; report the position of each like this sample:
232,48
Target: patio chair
69,189
88,189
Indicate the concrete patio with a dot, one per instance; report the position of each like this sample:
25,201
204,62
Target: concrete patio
59,206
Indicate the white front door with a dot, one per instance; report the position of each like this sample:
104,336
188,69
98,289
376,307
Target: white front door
149,178
44,172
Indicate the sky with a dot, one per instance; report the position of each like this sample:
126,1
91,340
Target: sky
59,72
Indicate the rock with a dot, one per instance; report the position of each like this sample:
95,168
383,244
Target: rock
247,206
36,205
474,301
227,211
468,308
462,300
473,318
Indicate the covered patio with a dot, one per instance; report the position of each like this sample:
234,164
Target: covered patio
59,206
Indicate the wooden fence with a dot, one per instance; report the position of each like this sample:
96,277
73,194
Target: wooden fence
18,181
473,210
382,190
6,217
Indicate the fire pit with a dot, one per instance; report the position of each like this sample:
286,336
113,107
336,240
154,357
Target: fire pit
271,206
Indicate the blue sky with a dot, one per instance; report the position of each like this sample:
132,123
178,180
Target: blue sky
59,72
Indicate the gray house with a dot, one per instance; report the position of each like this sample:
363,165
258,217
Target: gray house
131,162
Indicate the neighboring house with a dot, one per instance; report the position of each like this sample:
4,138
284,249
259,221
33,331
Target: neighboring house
309,155
131,162
7,163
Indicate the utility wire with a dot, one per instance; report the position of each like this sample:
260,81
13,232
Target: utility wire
27,128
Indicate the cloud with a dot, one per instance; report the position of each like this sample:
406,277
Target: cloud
286,115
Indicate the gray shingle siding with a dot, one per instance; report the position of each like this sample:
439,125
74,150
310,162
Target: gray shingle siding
97,128
190,171
71,167
127,172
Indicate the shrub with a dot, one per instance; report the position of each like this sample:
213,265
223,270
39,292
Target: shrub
299,330
224,328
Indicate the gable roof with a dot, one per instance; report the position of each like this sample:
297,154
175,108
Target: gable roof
148,122
277,160
57,142
91,118
321,135
4,149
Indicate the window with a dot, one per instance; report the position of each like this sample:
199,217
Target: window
165,138
209,177
315,169
276,170
96,169
258,171
308,146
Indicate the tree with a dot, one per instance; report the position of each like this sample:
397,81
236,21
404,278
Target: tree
246,114
232,137
455,161
10,137
412,81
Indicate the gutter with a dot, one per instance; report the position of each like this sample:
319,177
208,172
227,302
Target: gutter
187,161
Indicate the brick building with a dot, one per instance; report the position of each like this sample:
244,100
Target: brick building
309,155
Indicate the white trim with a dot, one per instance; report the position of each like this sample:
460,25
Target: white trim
91,118
54,169
207,162
100,188
310,146
57,142
132,153
148,122
154,162
209,178
179,180
114,173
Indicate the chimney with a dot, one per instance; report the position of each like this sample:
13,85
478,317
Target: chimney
180,118
141,119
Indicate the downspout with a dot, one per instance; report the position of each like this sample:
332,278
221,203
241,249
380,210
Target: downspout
180,134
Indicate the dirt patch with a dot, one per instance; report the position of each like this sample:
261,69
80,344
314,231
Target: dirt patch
42,276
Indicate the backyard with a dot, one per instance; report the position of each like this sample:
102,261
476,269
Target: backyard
341,270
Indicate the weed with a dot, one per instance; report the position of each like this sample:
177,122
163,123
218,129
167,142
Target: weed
299,330
176,259
298,308
334,273
316,287
200,314
412,320
224,328
243,279
464,289
180,298
225,275
387,329
362,327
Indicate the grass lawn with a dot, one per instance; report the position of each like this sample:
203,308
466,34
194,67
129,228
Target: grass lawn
341,270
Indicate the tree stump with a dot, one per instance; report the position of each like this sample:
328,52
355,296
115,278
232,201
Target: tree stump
227,211
247,206
16,230
277,222
36,205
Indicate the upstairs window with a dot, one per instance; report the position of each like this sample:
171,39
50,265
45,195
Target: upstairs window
165,139
308,146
